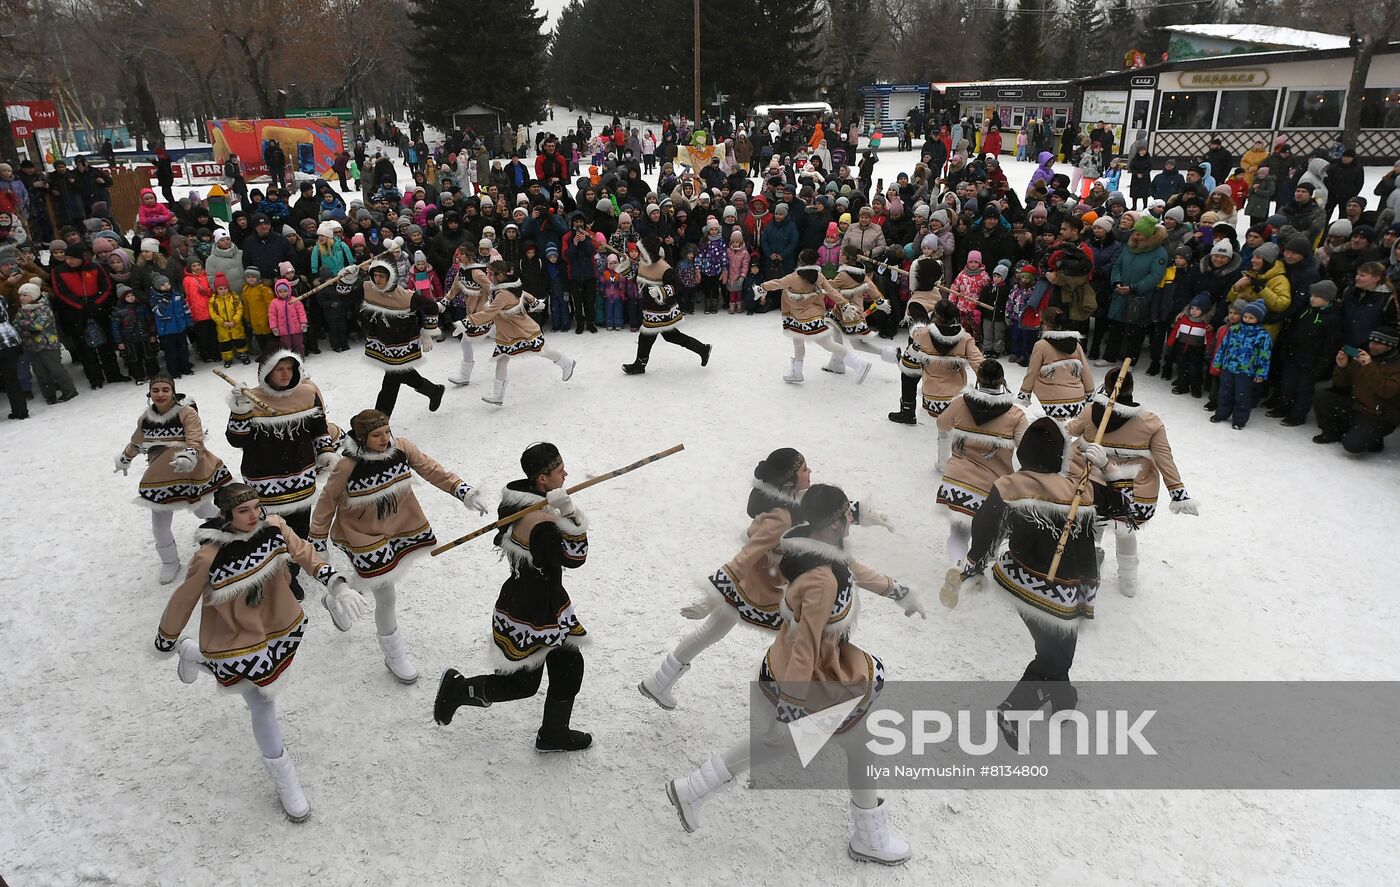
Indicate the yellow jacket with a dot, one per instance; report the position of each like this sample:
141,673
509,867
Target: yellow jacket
255,302
226,308
1274,290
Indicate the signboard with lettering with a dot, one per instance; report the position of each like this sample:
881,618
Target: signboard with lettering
1008,93
200,170
1106,106
1222,79
1144,81
27,118
969,93
1053,93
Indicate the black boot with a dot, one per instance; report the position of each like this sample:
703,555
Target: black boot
555,734
705,354
904,415
1154,368
455,691
635,368
1029,694
435,399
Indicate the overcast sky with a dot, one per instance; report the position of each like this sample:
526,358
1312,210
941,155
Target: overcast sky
550,8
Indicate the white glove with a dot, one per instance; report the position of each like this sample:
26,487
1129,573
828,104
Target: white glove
884,306
459,329
122,463
911,601
850,314
240,404
867,516
1095,453
559,500
183,462
425,341
904,323
1024,397
344,603
474,500
1185,506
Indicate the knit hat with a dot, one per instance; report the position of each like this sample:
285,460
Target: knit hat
1325,290
1183,252
31,288
252,274
780,210
551,250
1238,306
366,422
357,239
845,217
1257,308
833,230
1386,335
974,256
284,267
418,256
653,208
1308,185
730,213
1339,228
157,281
1201,301
1146,226
1104,223
540,458
1267,253
220,234
931,242
1222,247
282,286
1365,231
56,245
325,229
1359,201
1176,214
150,245
1003,269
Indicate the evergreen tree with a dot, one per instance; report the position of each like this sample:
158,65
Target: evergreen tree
850,39
998,61
1083,39
1027,24
453,41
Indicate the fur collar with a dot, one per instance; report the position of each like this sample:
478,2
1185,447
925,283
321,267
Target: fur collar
511,285
780,498
972,392
353,450
1061,334
1121,409
1053,512
816,268
1070,363
987,440
171,415
852,270
796,542
367,305
947,341
213,530
517,499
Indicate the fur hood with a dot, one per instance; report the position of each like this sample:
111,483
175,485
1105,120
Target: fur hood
387,266
1063,341
986,406
269,362
171,415
801,553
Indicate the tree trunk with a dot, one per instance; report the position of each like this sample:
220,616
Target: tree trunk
145,104
8,150
1360,68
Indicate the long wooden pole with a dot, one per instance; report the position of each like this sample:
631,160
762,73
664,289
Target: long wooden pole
1084,477
248,393
512,518
325,283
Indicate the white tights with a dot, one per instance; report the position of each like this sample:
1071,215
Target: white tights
719,623
959,541
161,520
799,347
266,730
739,757
385,620
468,351
503,362
1125,540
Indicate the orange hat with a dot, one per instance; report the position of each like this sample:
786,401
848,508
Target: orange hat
1089,217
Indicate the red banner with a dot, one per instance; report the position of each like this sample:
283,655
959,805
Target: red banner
26,118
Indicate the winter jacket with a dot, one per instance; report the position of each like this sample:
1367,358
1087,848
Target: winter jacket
1305,216
227,308
1363,311
780,238
1375,389
1244,351
1139,266
1044,172
132,323
197,294
1188,333
1261,196
1344,181
1206,278
255,301
37,326
336,259
713,257
85,293
228,262
1271,285
866,241
1317,169
578,254
1311,341
171,312
1140,173
286,316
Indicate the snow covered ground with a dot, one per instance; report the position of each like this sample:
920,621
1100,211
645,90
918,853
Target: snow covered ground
116,773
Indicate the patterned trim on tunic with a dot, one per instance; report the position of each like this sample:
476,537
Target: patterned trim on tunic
1142,509
476,332
261,664
815,327
753,614
373,561
519,346
517,641
961,498
935,406
654,322
290,492
789,712
1067,600
183,490
392,355
575,545
1063,410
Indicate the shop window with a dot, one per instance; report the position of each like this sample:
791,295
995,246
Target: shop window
1380,108
1247,109
1314,108
1187,110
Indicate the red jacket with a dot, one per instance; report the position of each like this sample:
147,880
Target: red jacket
558,167
992,143
84,293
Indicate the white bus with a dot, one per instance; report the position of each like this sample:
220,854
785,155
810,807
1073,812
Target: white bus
762,113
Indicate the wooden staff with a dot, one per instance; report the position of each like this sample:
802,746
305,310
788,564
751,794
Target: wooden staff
952,580
1084,478
937,286
325,283
248,393
512,518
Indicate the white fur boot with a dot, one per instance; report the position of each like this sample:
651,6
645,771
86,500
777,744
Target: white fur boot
658,686
498,393
835,365
795,374
396,659
688,793
1126,545
566,366
284,775
188,659
872,841
858,365
945,450
169,562
463,376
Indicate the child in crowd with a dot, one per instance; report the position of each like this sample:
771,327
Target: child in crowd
829,253
610,286
1186,346
287,318
134,334
967,288
736,271
1023,313
559,316
689,275
257,295
1243,362
38,332
198,292
1311,342
226,310
631,295
994,320
173,322
712,261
